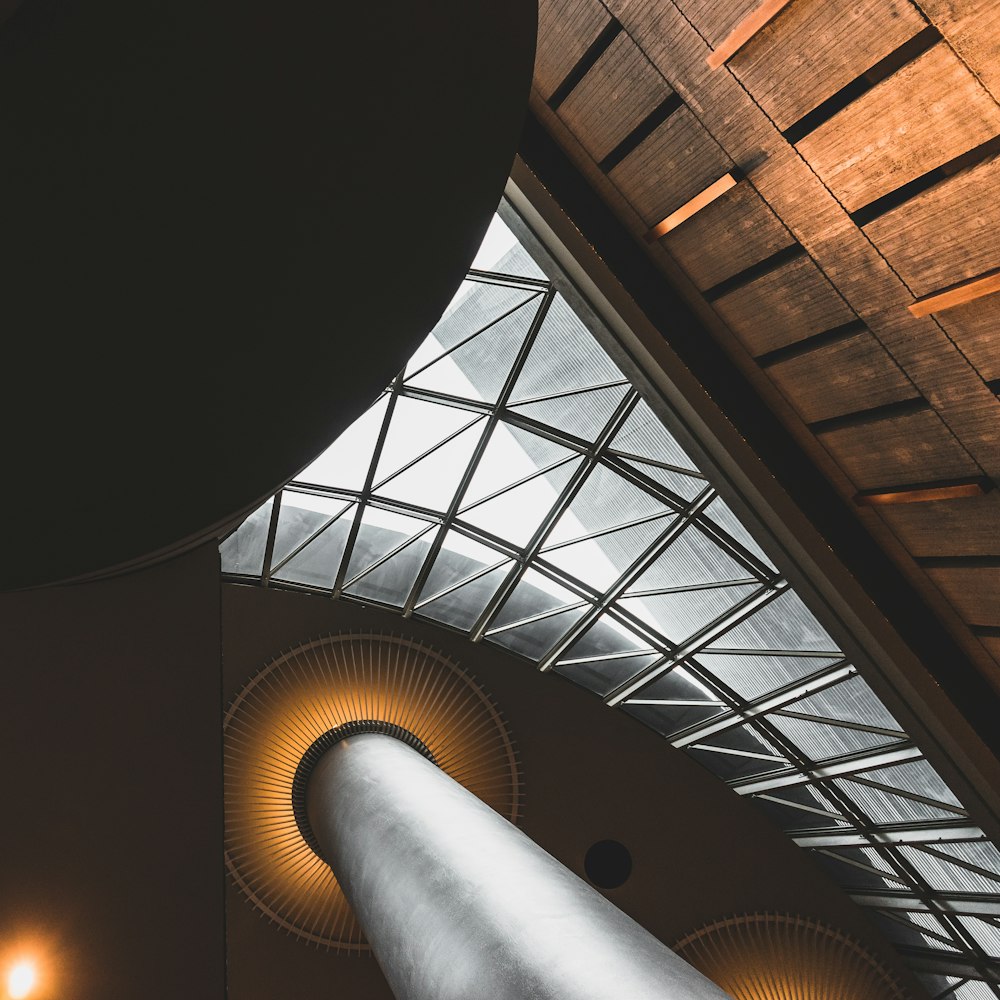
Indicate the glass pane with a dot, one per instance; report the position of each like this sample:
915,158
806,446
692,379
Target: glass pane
416,426
940,874
300,517
458,559
534,639
604,675
884,807
678,616
381,531
344,465
691,559
673,702
798,808
583,415
390,582
317,564
243,551
754,676
500,251
462,607
719,512
644,436
738,753
785,623
686,487
534,594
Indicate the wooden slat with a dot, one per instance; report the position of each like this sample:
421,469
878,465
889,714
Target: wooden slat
740,221
948,234
714,19
973,28
913,448
974,591
843,377
904,496
783,307
963,527
817,47
959,295
613,98
565,30
975,328
929,112
676,162
703,199
754,22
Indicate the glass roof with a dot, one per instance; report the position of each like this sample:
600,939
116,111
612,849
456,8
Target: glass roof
512,484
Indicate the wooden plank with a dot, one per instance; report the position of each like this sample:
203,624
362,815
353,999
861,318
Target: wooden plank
973,28
613,98
690,208
782,307
947,234
913,448
844,377
566,29
964,292
755,21
930,111
975,328
967,526
671,166
742,222
817,47
714,19
973,590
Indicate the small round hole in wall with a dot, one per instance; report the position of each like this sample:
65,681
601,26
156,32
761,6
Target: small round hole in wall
608,864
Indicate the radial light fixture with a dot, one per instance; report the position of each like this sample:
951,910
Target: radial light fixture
316,693
776,956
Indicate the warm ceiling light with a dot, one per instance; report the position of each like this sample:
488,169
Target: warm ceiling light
21,980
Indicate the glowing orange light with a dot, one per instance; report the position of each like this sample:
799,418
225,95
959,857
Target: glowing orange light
21,979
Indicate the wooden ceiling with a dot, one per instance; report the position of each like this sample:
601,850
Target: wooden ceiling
822,185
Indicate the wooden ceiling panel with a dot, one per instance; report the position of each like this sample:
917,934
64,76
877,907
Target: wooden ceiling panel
715,19
973,28
929,112
967,526
851,374
947,234
679,160
740,220
783,306
818,46
974,590
975,327
898,451
566,29
620,90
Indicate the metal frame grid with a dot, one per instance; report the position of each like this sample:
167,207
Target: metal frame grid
628,574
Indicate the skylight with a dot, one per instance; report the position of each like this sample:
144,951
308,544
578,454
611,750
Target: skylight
512,484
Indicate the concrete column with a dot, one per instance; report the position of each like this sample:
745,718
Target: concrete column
458,904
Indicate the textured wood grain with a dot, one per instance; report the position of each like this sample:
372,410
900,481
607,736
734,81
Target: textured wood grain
565,30
844,377
616,95
751,25
973,28
740,221
966,527
675,163
974,591
783,307
947,234
715,19
967,291
700,201
975,328
900,450
930,111
818,46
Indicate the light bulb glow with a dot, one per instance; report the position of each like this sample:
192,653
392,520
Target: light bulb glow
21,980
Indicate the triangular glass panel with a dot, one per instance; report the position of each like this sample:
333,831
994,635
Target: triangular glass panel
511,455
686,487
986,935
475,305
680,615
818,741
981,853
605,500
582,414
943,876
501,252
673,702
753,676
301,516
243,551
919,778
738,753
516,514
479,367
862,868
800,807
644,436
462,606
720,513
605,674
690,559
783,624
344,465
432,481
390,582
852,700
534,594
381,532
316,564
416,426
605,638
598,562
459,559
535,638
883,807
565,356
